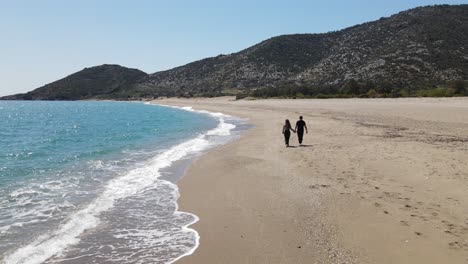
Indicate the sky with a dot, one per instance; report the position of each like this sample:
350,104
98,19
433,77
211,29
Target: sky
43,41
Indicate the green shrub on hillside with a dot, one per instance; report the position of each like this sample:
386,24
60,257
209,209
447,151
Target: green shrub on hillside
361,89
372,93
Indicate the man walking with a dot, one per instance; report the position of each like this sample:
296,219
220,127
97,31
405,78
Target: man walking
300,125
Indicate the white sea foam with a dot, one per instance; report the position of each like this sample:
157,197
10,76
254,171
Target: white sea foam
137,180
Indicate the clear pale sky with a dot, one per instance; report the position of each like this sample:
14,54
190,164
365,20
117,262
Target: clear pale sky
42,41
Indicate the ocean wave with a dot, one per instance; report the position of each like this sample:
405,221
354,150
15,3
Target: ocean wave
137,180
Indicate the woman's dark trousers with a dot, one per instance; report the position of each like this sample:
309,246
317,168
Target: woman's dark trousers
287,134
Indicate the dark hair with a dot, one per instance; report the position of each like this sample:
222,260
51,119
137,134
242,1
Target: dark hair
300,117
288,123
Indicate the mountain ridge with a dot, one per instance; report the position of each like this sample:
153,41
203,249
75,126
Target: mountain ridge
414,49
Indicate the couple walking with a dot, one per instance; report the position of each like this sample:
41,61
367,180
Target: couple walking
300,126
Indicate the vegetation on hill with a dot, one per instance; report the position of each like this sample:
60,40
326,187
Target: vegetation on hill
362,90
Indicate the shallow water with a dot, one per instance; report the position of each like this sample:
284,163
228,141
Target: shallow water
81,182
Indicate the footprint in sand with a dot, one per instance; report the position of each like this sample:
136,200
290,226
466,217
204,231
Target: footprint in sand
456,245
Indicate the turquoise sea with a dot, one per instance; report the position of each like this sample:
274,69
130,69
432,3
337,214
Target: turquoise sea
94,182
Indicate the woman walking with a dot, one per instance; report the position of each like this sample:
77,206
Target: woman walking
287,132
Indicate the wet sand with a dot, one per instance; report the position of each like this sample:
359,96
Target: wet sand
378,181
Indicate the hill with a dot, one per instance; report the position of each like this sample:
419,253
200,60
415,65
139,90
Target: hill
417,48
95,82
420,48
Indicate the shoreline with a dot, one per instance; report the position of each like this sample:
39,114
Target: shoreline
178,169
183,200
297,205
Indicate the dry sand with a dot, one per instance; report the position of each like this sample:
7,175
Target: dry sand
379,181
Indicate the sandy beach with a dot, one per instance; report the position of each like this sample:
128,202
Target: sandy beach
378,181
